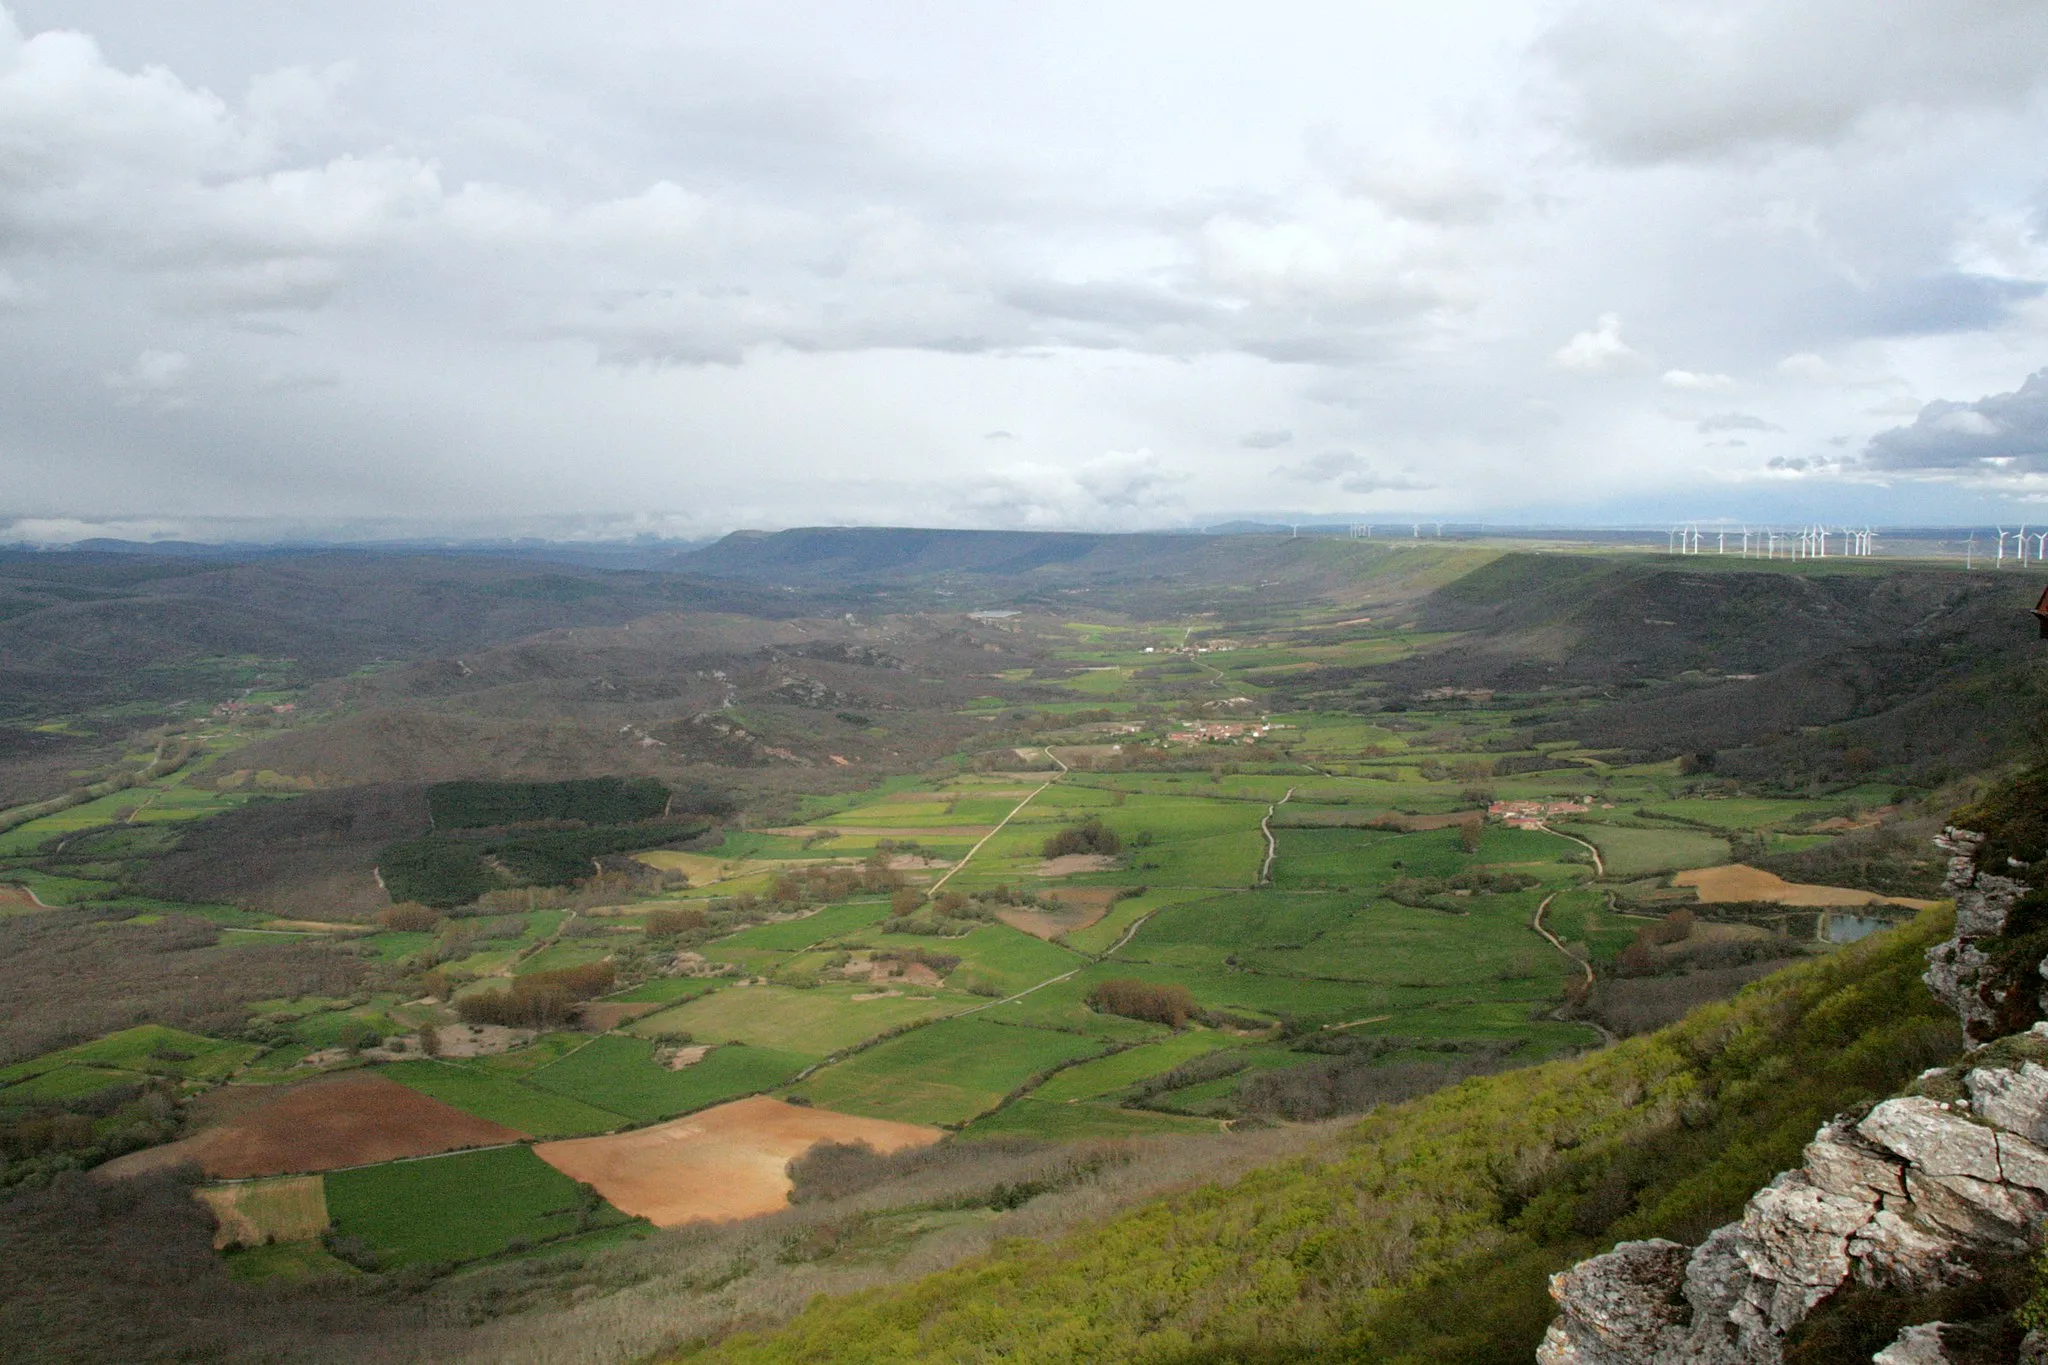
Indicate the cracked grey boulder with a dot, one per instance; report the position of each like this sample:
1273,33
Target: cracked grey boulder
1842,1163
2015,1100
1933,1138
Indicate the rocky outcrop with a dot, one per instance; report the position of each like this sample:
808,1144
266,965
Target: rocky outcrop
1958,970
1906,1197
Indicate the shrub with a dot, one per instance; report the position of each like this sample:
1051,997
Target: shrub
669,923
409,917
540,999
1090,836
1170,1004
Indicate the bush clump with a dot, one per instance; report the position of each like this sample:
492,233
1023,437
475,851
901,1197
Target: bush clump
1169,1004
540,999
1090,836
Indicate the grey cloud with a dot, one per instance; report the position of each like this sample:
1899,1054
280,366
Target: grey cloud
1265,440
1672,80
1733,421
1118,305
1349,472
1133,488
999,436
2001,433
1934,304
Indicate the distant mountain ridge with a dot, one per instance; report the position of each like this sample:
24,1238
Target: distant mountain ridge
903,551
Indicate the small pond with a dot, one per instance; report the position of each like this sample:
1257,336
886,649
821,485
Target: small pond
1849,928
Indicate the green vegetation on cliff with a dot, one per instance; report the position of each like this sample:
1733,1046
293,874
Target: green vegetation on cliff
1430,1239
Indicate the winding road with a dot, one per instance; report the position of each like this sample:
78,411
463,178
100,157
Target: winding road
1272,847
1599,868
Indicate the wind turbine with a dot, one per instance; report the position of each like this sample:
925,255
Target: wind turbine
2021,538
2000,563
1970,552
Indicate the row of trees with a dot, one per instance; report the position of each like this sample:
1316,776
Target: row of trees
538,999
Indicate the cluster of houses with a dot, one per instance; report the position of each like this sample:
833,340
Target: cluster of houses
242,708
1218,732
1529,814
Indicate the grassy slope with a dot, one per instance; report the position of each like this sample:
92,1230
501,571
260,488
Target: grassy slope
1430,1240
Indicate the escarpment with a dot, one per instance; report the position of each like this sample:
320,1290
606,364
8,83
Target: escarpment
1927,1192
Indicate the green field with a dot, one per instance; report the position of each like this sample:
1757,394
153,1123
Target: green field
791,935
619,1073
150,1048
1640,852
450,1209
1075,1121
809,1022
501,1099
944,1073
1106,1075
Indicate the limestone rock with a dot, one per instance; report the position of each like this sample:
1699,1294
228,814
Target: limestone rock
1620,1307
1915,1346
2015,1100
2022,1163
1796,1234
1892,1250
1839,1162
1937,1141
1979,1212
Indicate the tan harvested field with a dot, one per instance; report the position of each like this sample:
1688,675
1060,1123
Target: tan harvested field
722,1163
292,1208
318,926
1078,907
1741,882
1069,864
348,1120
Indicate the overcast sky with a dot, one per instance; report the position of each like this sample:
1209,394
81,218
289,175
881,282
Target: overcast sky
676,267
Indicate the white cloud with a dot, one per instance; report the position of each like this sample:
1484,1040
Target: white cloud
1124,489
1598,350
156,378
791,263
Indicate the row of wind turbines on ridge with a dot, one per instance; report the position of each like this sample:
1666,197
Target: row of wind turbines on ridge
1807,542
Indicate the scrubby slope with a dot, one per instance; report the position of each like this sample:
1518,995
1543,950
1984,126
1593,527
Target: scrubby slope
1431,1238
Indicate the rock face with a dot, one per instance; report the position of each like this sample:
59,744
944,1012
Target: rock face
1899,1199
1957,969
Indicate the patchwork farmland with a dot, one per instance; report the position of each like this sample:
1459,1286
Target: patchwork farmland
1149,892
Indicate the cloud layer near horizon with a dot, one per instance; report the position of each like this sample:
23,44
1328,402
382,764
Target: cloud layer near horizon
1054,266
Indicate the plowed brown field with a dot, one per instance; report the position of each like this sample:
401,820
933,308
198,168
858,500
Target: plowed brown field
725,1162
347,1120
